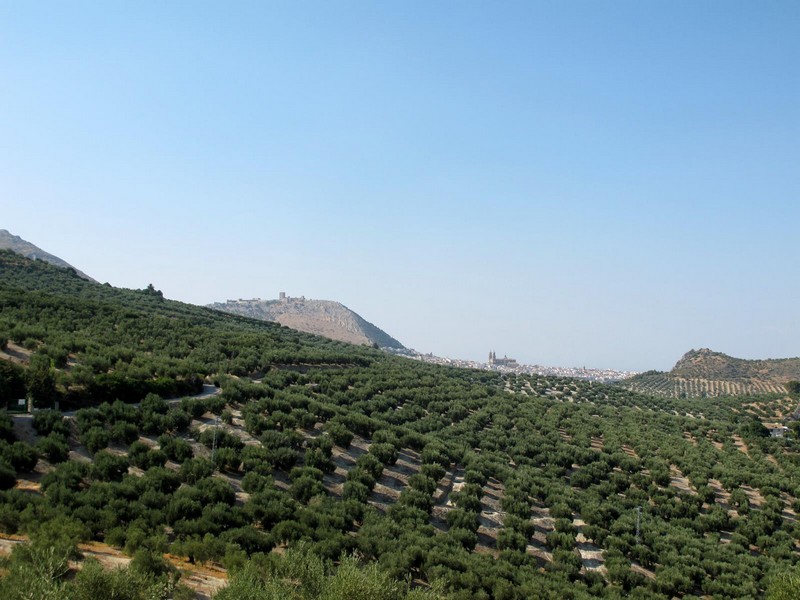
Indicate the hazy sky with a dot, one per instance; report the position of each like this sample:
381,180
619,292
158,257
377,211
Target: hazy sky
591,183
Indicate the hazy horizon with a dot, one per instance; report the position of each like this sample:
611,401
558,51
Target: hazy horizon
600,184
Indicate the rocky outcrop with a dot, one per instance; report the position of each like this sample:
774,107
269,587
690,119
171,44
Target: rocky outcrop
320,317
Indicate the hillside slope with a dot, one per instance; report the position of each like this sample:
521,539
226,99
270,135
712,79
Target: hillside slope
707,364
19,246
702,373
320,317
480,484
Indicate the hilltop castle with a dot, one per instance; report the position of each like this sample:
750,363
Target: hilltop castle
284,299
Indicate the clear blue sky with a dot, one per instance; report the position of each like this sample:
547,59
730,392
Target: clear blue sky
591,183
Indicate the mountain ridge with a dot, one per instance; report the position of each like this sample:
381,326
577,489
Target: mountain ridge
9,241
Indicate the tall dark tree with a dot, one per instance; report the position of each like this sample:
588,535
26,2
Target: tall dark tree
41,381
12,383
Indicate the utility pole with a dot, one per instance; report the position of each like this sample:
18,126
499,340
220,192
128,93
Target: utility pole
214,443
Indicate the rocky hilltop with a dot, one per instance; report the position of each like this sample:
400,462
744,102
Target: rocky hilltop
320,317
705,373
19,246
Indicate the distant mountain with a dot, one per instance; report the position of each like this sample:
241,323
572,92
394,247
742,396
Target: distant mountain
18,245
703,372
320,317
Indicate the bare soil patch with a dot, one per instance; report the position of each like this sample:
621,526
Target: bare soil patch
680,482
721,495
281,480
9,541
359,445
205,579
753,496
356,448
789,515
394,478
79,453
334,482
31,482
344,460
23,428
637,568
591,554
740,445
235,481
629,451
541,552
543,524
725,536
16,354
107,556
441,498
491,517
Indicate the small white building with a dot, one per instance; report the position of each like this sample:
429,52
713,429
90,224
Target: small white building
776,430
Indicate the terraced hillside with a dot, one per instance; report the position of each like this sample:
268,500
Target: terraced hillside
481,485
704,373
671,386
707,364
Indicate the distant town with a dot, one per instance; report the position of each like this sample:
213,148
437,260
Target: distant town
510,365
